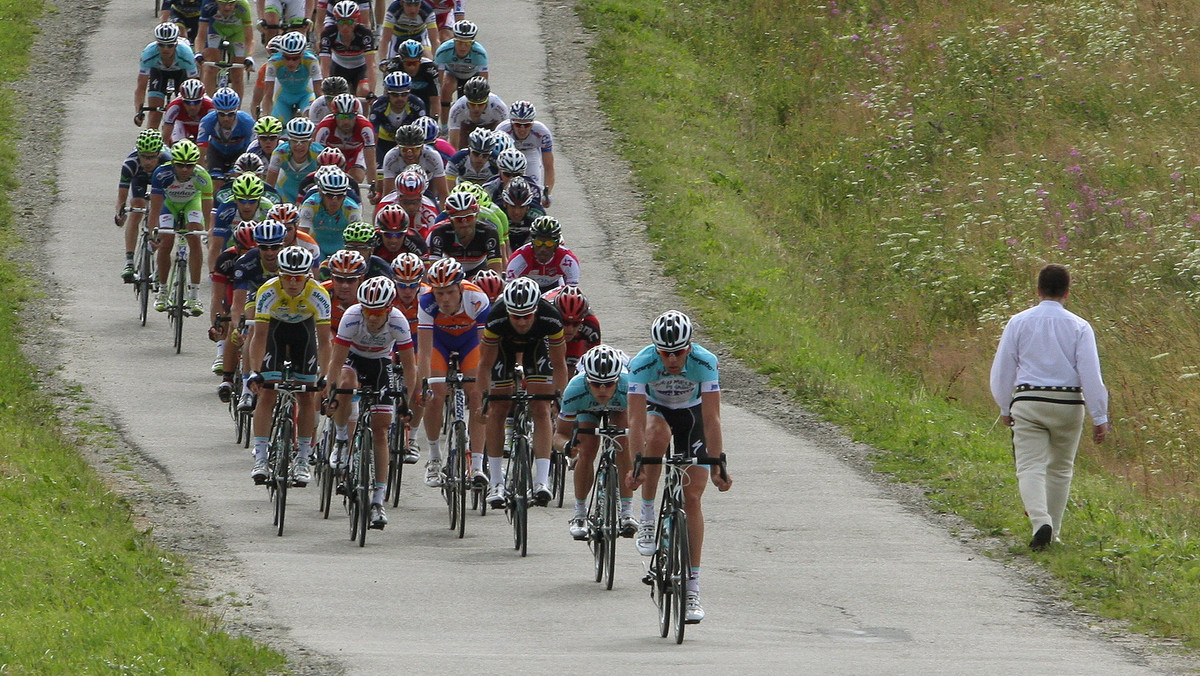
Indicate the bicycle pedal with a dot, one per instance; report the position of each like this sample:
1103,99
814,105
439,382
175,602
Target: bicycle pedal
648,579
299,484
376,526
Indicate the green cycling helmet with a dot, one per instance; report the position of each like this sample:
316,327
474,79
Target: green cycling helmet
248,187
185,152
481,195
150,141
268,125
358,232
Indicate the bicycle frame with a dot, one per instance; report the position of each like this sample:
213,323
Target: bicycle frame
454,426
604,499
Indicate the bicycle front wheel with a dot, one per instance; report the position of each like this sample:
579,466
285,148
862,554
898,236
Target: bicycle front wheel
681,569
177,303
608,531
142,285
282,445
366,482
558,476
520,494
459,476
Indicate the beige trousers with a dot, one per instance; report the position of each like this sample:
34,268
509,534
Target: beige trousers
1046,430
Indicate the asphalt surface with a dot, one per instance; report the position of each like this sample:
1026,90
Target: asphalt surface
807,568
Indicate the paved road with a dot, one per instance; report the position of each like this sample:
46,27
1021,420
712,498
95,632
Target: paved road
808,567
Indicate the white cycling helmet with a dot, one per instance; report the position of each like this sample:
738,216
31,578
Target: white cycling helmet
601,364
672,331
521,296
295,260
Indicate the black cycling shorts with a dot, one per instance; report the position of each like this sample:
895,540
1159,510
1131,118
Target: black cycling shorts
372,373
687,428
536,363
296,343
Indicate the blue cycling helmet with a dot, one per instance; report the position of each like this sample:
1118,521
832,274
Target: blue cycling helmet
397,81
269,232
226,99
429,126
410,49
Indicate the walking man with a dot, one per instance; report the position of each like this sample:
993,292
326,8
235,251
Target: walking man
1045,372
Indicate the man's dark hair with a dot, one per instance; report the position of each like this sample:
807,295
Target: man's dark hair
1054,281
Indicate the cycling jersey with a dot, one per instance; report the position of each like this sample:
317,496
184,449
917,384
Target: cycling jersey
248,272
294,88
461,67
462,167
491,116
562,268
539,141
353,331
184,60
362,135
457,332
274,305
533,345
231,26
336,308
408,27
176,192
425,84
183,125
292,172
386,118
183,8
347,55
327,227
475,255
579,404
648,376
137,179
232,141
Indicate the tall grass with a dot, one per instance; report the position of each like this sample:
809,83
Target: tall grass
859,194
81,589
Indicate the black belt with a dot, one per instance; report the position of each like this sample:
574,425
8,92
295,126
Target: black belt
1047,388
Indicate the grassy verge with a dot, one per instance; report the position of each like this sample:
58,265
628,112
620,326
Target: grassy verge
857,195
81,589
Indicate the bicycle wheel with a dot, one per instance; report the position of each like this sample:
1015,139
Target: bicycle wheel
660,568
595,521
142,285
397,437
520,494
325,474
680,572
558,476
608,531
282,444
353,503
460,475
177,303
366,482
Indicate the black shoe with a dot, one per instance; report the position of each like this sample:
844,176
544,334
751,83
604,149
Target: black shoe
1041,539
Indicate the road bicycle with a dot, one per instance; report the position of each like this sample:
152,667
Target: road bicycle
519,472
358,481
398,438
177,280
281,447
226,65
143,262
603,527
670,565
456,478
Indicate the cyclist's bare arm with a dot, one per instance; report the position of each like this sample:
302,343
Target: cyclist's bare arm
710,411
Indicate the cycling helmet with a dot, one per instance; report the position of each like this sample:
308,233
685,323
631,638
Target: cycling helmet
335,182
295,260
545,227
521,296
409,269
358,232
397,81
185,152
503,142
346,9
269,232
226,99
410,49
429,126
409,135
334,85
444,272
285,212
462,202
521,111
191,90
392,218
347,263
275,44
601,364
481,195
571,304
250,163
512,161
166,33
517,192
481,140
268,125
671,331
376,292
150,141
411,184
331,156
248,187
243,235
345,104
300,129
293,43
477,90
490,282
464,30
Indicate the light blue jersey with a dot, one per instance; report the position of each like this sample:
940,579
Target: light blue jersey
648,376
578,402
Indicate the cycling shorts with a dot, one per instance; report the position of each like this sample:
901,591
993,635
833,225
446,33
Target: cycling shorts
189,212
232,33
466,345
535,361
159,80
687,428
289,105
290,10
353,75
296,343
139,186
372,373
220,164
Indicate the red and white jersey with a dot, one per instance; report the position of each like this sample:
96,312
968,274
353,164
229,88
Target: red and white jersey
353,331
563,267
361,136
183,125
428,213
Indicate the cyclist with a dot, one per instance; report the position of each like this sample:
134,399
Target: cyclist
411,149
474,163
393,226
251,270
675,395
289,215
347,269
291,317
136,173
181,196
267,130
326,214
490,282
247,201
294,74
225,133
260,82
449,320
478,107
544,258
463,236
581,327
488,213
432,139
328,157
602,386
348,49
410,196
521,323
183,115
395,110
458,61
294,160
165,64
322,106
512,163
535,140
231,21
409,270
184,14
362,238
410,59
370,333
221,308
409,20
353,134
275,16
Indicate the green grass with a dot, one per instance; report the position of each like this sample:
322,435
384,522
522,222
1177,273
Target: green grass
82,590
856,195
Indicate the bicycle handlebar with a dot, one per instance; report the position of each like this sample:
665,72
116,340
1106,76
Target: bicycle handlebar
608,431
680,461
291,387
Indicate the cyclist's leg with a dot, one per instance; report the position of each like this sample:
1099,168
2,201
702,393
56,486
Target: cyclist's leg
586,446
195,226
212,54
166,240
272,19
302,350
476,428
133,221
502,382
